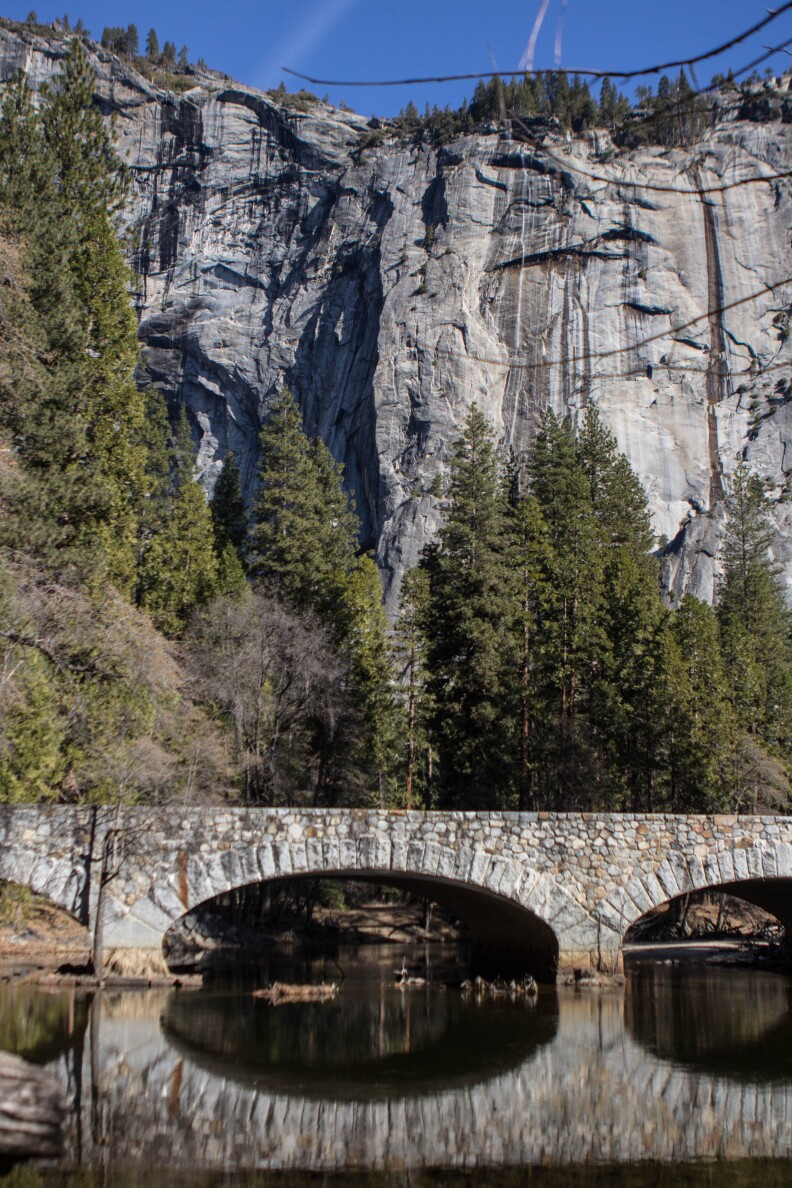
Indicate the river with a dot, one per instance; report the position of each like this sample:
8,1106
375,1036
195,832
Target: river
684,1076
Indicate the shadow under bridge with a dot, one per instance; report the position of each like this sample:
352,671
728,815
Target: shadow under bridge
505,938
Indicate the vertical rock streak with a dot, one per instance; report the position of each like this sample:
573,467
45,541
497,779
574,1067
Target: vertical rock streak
717,385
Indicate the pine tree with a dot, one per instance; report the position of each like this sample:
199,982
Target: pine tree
411,657
32,735
699,729
82,439
152,46
607,103
633,616
755,622
155,496
229,515
179,567
531,556
231,576
615,491
303,551
626,707
304,539
365,639
468,627
575,642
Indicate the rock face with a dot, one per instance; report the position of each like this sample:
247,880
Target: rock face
391,287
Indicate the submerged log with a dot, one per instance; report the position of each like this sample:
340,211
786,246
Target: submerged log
285,992
32,1109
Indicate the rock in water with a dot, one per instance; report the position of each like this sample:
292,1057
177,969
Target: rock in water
32,1109
392,286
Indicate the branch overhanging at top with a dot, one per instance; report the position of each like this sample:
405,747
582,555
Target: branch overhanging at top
693,60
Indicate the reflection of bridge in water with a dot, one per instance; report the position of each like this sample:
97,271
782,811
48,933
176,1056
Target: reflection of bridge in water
591,1092
544,891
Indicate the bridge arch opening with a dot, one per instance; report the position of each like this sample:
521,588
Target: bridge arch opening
503,937
758,909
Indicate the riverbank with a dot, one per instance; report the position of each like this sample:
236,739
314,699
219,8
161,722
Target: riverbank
206,936
737,952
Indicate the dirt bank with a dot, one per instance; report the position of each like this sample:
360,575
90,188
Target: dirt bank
742,953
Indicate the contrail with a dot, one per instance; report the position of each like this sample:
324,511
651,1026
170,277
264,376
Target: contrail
527,60
309,32
559,37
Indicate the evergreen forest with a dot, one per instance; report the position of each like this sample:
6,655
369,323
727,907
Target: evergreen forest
159,647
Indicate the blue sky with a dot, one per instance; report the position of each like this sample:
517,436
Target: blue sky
252,39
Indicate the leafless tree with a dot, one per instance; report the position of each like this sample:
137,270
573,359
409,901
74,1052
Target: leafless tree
279,680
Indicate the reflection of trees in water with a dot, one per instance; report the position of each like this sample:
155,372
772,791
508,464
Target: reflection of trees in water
734,1022
358,1043
325,1034
41,1027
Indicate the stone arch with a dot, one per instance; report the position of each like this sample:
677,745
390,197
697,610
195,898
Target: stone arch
48,850
55,878
515,912
760,873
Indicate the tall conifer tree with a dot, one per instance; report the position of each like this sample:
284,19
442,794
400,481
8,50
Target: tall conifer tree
755,622
304,537
83,440
304,551
469,628
229,515
179,568
411,659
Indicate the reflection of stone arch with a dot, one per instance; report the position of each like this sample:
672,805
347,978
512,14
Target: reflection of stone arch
452,1044
758,872
511,910
699,1029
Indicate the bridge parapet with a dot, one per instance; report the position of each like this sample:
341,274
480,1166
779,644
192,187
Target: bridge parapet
559,888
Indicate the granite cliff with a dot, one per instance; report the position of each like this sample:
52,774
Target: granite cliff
393,285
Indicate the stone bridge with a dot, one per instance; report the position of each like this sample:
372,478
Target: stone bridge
543,891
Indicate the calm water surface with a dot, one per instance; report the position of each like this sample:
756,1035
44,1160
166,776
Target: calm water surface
685,1077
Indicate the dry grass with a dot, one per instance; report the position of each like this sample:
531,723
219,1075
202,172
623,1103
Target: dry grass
136,963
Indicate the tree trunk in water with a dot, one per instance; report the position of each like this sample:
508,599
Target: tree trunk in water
427,914
106,874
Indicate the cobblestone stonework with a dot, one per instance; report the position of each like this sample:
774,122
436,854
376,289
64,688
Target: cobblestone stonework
563,887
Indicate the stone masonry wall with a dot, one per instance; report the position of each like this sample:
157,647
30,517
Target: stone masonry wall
588,877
